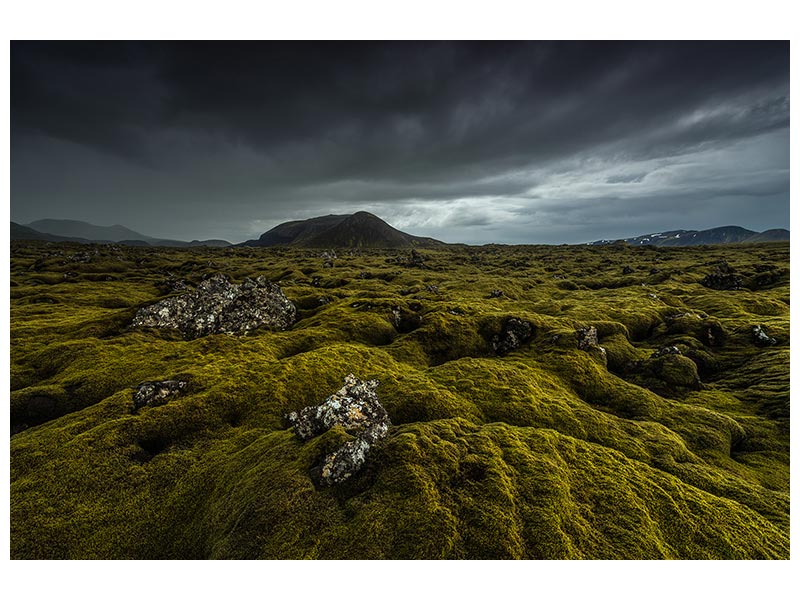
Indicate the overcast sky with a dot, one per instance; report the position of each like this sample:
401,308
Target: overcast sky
470,142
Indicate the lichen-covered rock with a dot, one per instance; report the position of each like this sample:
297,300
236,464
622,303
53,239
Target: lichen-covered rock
588,342
219,306
587,337
515,333
154,393
761,338
357,409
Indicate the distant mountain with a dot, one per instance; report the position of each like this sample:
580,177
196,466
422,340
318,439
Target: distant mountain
359,230
21,232
730,234
83,232
81,229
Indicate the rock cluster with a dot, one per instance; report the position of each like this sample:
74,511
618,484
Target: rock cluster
722,278
515,333
761,338
356,408
219,306
496,294
154,393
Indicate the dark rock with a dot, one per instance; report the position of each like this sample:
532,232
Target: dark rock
219,306
496,294
155,393
722,278
433,289
514,334
665,351
171,284
416,260
653,271
626,270
761,338
357,409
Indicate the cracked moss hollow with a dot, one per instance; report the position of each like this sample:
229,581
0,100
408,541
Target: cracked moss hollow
548,451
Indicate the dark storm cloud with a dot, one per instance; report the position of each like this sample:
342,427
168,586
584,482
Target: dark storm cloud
256,133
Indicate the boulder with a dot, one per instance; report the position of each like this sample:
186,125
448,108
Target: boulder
219,306
155,393
357,409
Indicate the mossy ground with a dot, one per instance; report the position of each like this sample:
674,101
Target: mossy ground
547,452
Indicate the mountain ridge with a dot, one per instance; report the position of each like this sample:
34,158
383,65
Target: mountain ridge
82,232
727,234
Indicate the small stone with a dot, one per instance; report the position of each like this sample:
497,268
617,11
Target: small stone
154,393
665,351
626,270
496,294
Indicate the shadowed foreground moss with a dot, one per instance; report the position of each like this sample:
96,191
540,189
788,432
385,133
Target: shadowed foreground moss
547,452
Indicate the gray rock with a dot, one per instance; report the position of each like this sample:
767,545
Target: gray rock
219,306
154,393
357,409
496,294
761,338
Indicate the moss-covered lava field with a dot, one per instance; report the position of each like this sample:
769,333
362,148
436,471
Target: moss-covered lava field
667,438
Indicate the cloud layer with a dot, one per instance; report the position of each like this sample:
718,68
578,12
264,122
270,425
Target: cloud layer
474,142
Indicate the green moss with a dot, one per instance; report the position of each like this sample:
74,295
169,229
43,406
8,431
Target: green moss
547,452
